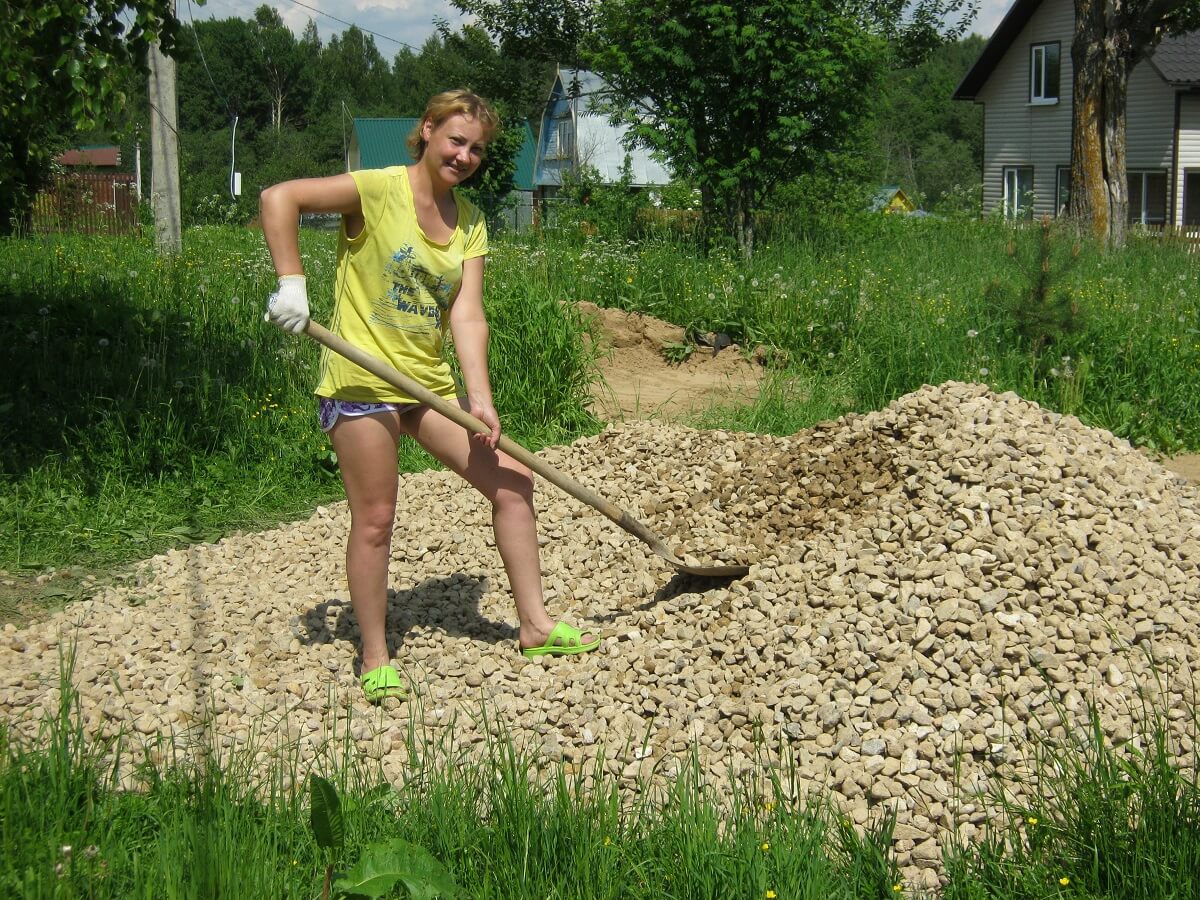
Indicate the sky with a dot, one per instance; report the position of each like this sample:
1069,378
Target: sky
398,22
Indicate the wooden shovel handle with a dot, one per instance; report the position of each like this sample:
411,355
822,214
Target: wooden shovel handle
456,413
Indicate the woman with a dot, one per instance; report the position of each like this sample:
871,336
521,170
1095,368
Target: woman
410,264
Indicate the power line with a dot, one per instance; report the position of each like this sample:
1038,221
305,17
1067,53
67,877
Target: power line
359,27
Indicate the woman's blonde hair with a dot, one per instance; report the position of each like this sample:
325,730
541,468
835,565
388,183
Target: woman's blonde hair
453,103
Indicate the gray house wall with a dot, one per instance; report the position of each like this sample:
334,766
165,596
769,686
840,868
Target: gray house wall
1019,133
1189,155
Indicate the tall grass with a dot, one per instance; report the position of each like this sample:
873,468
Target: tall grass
504,823
863,310
1108,823
146,403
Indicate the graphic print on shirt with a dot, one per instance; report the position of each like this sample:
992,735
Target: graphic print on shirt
417,297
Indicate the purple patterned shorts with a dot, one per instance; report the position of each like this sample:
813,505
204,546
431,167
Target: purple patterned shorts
329,409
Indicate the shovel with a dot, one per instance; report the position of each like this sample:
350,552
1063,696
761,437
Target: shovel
455,413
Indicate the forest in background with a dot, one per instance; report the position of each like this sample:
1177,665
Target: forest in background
295,96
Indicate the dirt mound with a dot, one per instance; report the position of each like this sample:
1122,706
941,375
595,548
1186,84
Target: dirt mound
639,382
933,584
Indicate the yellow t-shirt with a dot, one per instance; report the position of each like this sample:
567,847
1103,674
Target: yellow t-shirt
393,291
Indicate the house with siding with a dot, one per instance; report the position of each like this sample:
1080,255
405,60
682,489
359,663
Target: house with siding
379,143
575,133
1023,80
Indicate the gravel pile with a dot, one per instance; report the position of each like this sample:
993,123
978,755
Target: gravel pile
933,584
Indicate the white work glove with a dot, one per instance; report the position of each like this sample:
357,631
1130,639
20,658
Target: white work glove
288,306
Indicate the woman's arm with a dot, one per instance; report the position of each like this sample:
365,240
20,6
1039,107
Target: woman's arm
280,207
469,326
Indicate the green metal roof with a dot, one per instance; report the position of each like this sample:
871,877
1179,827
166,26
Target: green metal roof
381,144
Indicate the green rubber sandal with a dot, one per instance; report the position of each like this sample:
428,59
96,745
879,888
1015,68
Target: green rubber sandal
563,640
381,683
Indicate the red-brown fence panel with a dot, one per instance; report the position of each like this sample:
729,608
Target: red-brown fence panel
87,203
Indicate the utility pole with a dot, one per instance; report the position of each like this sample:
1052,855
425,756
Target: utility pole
164,151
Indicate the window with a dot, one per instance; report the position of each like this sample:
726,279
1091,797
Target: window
1191,197
559,145
1148,198
1018,191
1063,190
1043,72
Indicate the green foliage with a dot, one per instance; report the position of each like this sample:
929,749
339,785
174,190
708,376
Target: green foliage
594,207
1043,313
384,864
325,814
923,139
739,98
65,66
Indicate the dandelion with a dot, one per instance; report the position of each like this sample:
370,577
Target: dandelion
829,355
941,320
1064,881
65,849
972,333
768,806
712,296
766,845
771,895
1032,820
132,273
897,888
984,372
178,385
45,311
103,342
90,851
629,280
607,841
753,282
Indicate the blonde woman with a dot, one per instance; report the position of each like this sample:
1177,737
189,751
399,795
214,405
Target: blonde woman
410,265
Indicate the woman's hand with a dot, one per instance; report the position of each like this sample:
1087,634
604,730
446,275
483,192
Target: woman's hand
486,413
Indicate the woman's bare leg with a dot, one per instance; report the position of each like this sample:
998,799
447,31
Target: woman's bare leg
508,485
366,452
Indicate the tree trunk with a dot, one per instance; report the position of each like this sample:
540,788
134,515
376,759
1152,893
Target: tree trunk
1101,58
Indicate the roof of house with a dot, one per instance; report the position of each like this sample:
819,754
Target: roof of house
887,194
107,155
1176,58
381,143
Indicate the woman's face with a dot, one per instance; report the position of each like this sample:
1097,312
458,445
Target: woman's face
454,149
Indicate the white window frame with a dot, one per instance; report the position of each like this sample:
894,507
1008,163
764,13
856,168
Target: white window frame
1138,217
1014,203
1038,72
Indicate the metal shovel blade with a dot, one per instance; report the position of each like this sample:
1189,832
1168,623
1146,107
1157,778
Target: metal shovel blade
565,482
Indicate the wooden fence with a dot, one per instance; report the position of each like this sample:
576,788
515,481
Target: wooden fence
87,203
1187,236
